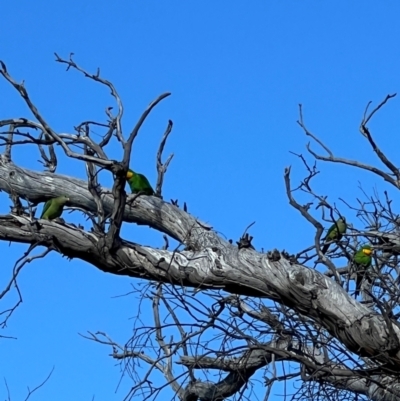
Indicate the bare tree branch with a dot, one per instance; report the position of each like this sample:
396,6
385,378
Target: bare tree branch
24,94
225,316
366,132
162,168
96,77
354,163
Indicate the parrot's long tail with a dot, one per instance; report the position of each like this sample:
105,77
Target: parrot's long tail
325,248
360,277
356,293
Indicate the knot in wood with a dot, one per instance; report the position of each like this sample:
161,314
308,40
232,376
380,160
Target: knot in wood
218,264
299,277
216,250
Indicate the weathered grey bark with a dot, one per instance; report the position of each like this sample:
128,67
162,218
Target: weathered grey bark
241,369
211,263
317,324
152,211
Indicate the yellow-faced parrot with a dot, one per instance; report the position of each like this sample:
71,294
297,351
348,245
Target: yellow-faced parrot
139,183
362,261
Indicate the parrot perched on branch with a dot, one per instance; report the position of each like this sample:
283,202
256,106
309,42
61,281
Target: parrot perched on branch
362,261
139,183
53,208
335,232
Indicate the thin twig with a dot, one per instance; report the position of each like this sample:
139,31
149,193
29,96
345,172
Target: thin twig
48,130
308,133
40,385
162,168
96,77
366,119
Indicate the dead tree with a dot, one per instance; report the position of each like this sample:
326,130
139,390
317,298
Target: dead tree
218,306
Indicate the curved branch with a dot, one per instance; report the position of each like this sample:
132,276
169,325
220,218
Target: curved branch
245,272
146,210
51,133
312,359
355,163
96,77
135,131
162,167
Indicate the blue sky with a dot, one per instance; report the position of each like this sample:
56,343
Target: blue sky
237,72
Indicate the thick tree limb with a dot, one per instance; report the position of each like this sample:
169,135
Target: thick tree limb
314,322
152,211
247,272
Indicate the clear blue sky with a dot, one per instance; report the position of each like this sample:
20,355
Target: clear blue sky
237,72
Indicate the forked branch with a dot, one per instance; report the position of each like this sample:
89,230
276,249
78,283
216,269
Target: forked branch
355,163
162,167
44,125
96,77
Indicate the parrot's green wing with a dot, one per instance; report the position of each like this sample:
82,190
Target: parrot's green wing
358,256
335,232
53,208
331,232
145,185
131,184
46,207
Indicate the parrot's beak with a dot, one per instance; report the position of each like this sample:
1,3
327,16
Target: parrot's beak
367,251
129,174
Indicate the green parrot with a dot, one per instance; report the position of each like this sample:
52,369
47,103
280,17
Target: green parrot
139,183
335,232
53,208
362,260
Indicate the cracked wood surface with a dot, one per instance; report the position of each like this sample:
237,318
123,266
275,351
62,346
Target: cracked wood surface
211,261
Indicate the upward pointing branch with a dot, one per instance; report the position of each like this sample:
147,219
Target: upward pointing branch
135,131
120,178
366,132
355,163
